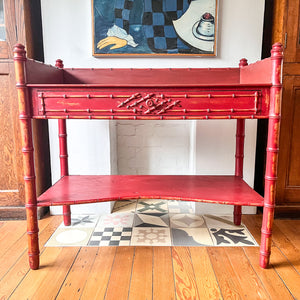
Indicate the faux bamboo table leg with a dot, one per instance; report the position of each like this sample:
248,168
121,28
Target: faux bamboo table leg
272,156
63,154
64,168
239,155
28,160
239,163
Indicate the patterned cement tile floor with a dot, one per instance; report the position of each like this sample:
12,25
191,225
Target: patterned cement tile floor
151,223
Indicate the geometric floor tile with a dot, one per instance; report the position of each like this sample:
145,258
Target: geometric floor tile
232,237
191,237
111,236
150,236
82,221
151,220
180,207
146,206
70,237
116,220
219,221
186,220
125,206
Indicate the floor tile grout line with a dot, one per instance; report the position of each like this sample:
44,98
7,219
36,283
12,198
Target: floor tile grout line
210,233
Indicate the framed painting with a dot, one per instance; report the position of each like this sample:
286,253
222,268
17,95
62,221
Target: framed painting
154,27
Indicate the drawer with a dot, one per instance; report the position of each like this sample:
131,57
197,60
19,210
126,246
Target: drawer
149,104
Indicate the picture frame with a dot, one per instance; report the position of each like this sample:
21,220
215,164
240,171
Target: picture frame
154,27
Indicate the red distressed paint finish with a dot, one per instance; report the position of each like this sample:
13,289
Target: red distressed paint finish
248,92
64,167
239,155
144,103
239,164
79,189
272,155
28,160
63,154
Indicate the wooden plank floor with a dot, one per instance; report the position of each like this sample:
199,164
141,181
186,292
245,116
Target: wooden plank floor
150,272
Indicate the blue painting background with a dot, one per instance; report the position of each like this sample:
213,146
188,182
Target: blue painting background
104,18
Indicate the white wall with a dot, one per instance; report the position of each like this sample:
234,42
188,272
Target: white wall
153,147
68,35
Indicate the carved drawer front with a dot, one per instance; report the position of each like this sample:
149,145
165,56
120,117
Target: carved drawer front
153,104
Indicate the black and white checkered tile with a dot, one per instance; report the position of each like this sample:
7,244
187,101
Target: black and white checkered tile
111,236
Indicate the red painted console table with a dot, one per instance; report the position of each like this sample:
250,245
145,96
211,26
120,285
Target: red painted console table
247,92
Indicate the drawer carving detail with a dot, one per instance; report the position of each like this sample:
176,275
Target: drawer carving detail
149,104
156,104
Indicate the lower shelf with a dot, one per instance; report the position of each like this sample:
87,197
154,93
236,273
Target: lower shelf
79,189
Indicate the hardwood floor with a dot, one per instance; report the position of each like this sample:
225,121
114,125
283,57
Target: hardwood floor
150,272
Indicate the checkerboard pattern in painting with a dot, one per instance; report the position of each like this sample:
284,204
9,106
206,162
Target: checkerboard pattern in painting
157,23
151,222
